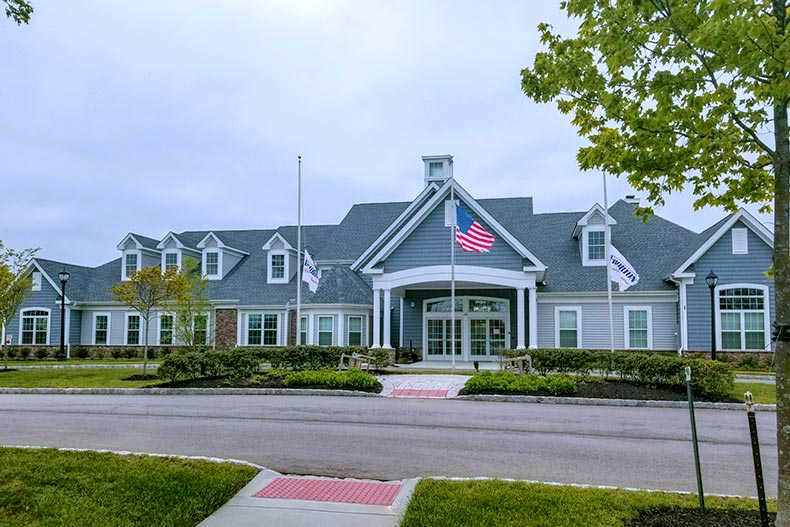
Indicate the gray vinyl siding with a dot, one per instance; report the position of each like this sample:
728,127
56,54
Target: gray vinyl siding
595,323
150,260
430,242
229,261
48,298
75,328
731,269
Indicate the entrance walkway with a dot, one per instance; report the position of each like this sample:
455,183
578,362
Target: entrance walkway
422,386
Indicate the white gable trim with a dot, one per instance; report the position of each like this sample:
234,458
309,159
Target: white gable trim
55,286
277,236
418,202
170,235
220,244
584,221
139,246
743,215
428,207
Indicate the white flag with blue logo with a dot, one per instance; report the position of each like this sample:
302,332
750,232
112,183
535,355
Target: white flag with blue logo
310,272
620,270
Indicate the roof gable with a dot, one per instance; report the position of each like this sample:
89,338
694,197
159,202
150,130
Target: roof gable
275,238
596,211
220,244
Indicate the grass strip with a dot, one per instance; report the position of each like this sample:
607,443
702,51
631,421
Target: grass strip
764,393
47,487
494,503
74,378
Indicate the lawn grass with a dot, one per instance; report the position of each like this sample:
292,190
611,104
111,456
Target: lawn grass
12,363
74,378
46,487
511,504
763,393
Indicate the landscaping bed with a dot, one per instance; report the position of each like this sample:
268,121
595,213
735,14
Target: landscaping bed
321,380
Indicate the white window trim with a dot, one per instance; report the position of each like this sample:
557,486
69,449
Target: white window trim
109,326
126,329
766,314
742,231
217,276
318,329
286,270
362,335
159,329
49,324
139,254
306,318
586,261
578,310
245,328
626,328
36,279
177,252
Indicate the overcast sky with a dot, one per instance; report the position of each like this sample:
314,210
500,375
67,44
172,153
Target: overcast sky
161,115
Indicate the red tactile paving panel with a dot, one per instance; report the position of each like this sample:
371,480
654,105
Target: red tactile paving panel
419,393
337,491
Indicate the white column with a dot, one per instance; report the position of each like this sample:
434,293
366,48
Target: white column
376,318
533,317
387,319
341,337
520,319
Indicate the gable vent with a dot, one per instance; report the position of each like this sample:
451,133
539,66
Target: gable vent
740,241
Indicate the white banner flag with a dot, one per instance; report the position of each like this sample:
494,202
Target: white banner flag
620,270
310,272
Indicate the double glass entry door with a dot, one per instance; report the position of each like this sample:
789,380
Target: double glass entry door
475,338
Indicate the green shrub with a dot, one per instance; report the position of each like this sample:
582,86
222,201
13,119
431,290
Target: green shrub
42,353
10,352
299,358
23,353
130,353
508,383
748,362
117,353
347,380
178,366
99,354
80,352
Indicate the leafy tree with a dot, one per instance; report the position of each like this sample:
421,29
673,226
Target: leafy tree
680,94
146,291
13,287
193,309
18,10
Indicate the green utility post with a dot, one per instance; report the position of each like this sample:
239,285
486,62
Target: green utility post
758,466
694,439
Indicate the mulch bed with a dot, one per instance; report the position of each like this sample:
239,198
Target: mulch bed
258,382
678,517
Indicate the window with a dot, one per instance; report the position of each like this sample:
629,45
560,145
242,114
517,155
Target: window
435,170
35,280
568,320
278,266
254,326
487,306
325,330
131,265
740,241
200,330
596,245
171,261
743,314
165,329
261,329
355,331
35,326
101,329
303,331
212,263
269,330
638,322
133,330
443,306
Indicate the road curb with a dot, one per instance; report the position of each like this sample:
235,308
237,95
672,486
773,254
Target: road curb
584,401
185,391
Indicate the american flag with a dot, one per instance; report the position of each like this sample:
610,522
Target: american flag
470,235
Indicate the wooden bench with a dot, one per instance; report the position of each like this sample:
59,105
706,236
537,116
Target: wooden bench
355,360
516,364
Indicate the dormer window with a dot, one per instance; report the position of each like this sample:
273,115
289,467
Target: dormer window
171,261
278,267
596,245
212,263
131,265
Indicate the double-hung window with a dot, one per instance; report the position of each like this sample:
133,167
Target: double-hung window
303,331
743,318
165,329
354,331
568,320
212,263
131,265
133,330
200,330
278,266
101,329
171,261
326,328
35,326
596,245
638,327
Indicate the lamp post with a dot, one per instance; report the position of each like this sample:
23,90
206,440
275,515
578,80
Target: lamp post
64,277
712,280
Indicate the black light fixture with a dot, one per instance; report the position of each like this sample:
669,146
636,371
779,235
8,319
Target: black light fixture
712,280
64,277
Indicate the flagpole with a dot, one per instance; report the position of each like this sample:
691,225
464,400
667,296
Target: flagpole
299,250
607,256
452,270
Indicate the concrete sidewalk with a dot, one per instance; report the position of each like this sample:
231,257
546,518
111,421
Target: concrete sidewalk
314,502
433,386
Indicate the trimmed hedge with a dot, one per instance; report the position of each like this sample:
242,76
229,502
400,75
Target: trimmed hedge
506,382
346,380
709,379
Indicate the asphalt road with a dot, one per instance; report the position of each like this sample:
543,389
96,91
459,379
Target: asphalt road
400,438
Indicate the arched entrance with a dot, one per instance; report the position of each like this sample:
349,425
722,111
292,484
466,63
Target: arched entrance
482,328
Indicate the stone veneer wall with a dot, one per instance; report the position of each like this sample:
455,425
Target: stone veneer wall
292,339
226,329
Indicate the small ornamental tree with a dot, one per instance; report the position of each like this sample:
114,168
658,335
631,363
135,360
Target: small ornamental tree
13,287
192,310
146,291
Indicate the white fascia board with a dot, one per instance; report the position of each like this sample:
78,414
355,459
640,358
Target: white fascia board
170,235
126,238
428,207
463,273
418,201
743,215
600,296
220,244
277,236
583,222
54,285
